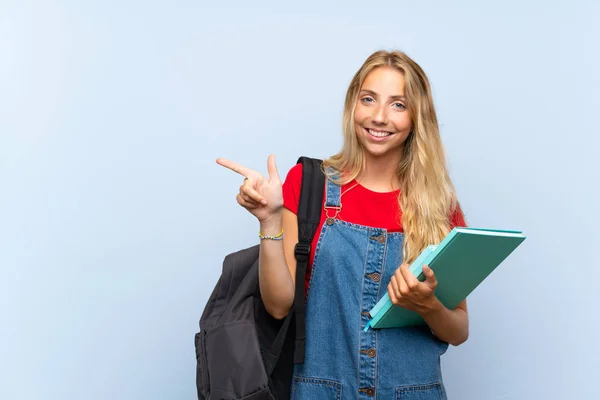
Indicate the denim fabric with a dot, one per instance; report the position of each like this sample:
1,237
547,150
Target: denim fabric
352,267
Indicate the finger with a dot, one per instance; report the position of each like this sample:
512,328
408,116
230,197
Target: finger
272,168
402,286
392,290
395,282
248,191
248,205
430,279
240,169
247,199
411,280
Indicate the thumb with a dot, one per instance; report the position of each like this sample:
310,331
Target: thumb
272,168
430,279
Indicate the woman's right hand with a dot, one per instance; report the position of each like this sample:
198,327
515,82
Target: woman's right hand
261,196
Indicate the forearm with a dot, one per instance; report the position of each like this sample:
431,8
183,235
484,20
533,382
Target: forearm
276,283
451,326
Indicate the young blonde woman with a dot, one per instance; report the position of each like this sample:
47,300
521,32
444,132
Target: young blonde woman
387,196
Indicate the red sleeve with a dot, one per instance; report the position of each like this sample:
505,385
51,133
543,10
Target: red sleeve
291,188
458,218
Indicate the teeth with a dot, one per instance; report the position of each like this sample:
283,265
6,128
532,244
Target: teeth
379,134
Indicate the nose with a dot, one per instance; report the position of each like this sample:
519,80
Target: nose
379,116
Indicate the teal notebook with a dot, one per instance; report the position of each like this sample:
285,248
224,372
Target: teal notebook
460,262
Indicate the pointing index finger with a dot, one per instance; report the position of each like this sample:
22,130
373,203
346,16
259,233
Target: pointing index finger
240,169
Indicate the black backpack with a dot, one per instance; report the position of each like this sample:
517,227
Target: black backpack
242,352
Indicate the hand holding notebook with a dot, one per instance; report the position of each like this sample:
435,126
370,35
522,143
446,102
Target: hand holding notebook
460,262
406,291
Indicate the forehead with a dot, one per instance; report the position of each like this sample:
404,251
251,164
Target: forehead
385,80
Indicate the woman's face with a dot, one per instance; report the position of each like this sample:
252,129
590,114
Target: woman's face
381,118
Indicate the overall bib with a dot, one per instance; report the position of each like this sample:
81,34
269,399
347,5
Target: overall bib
352,267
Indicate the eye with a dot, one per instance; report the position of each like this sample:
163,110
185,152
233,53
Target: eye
399,106
367,99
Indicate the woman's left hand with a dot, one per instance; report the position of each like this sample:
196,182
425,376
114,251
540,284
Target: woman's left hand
407,291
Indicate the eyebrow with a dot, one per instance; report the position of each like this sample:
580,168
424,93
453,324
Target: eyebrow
372,93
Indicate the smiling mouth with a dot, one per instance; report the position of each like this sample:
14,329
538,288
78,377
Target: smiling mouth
378,134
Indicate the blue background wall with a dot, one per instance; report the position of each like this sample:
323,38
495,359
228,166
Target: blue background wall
114,217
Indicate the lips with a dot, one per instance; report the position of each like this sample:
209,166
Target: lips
377,135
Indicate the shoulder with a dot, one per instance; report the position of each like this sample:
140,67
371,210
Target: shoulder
291,188
294,175
457,218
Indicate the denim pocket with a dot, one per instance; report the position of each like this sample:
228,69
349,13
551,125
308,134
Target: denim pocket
430,391
315,388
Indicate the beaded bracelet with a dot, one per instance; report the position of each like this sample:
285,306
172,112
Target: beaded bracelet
276,237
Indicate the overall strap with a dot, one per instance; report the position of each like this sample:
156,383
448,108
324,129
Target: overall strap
333,195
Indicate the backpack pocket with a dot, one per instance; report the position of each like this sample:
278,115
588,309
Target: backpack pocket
234,360
430,391
315,388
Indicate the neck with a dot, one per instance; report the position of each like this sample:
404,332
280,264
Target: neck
379,174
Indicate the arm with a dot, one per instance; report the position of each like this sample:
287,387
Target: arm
277,273
451,326
263,198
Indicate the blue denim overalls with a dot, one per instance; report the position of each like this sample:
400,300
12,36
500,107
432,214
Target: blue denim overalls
352,267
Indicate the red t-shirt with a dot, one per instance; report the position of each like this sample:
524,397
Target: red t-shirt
360,206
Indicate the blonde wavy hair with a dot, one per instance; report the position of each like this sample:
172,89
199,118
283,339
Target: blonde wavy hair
427,195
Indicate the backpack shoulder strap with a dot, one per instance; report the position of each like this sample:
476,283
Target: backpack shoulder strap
309,216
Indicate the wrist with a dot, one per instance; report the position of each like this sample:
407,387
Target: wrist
435,306
272,225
